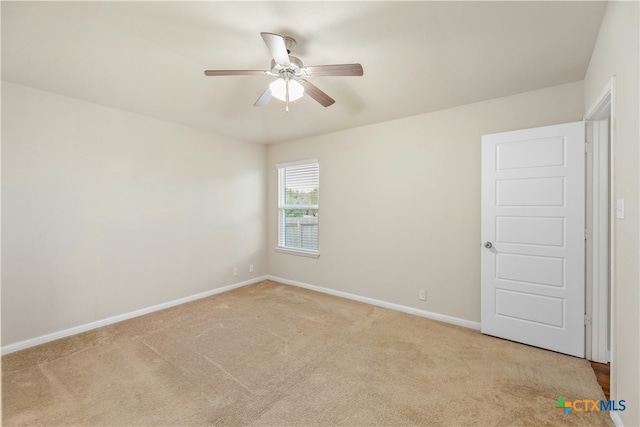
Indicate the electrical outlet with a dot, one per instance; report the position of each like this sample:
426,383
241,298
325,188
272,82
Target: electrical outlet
235,271
250,268
423,295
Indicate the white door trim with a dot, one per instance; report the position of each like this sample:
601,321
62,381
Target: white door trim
597,240
603,255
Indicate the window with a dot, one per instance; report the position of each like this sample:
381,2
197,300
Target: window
298,185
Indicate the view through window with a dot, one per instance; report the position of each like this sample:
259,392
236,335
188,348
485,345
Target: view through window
298,185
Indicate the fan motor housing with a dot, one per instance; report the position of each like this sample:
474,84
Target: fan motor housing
290,43
294,67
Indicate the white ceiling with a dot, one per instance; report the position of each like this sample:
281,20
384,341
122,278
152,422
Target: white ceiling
149,57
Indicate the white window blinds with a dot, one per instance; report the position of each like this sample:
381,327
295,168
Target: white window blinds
298,186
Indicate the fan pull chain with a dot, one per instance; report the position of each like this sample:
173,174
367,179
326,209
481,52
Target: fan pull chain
286,84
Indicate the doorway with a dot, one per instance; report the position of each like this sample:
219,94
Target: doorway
601,211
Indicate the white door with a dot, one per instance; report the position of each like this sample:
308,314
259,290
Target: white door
532,230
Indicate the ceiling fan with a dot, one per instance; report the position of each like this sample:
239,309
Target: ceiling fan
291,82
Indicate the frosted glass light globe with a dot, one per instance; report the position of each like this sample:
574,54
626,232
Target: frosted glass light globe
278,90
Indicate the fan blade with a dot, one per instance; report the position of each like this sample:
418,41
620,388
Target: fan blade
315,93
277,47
233,72
336,70
264,98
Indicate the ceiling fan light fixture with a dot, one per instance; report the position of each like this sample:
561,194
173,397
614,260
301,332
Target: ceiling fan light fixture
278,89
292,75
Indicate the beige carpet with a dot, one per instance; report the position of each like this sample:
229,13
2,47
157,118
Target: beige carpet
271,354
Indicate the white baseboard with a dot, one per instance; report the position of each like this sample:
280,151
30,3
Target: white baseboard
10,348
616,419
403,308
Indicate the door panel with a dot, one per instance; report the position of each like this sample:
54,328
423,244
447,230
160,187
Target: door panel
530,307
530,192
530,154
535,270
530,230
533,189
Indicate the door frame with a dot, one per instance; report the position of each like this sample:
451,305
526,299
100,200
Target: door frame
600,257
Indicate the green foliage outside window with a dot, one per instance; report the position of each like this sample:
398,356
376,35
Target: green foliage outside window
297,197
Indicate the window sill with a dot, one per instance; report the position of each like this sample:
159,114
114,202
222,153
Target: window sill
299,252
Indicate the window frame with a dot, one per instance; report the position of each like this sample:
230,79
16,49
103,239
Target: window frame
282,207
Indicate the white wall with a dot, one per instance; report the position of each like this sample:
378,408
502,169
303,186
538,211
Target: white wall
616,53
400,201
105,212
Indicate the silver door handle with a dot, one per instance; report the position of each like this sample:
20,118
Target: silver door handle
488,245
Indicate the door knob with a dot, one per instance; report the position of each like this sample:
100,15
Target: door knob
488,245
